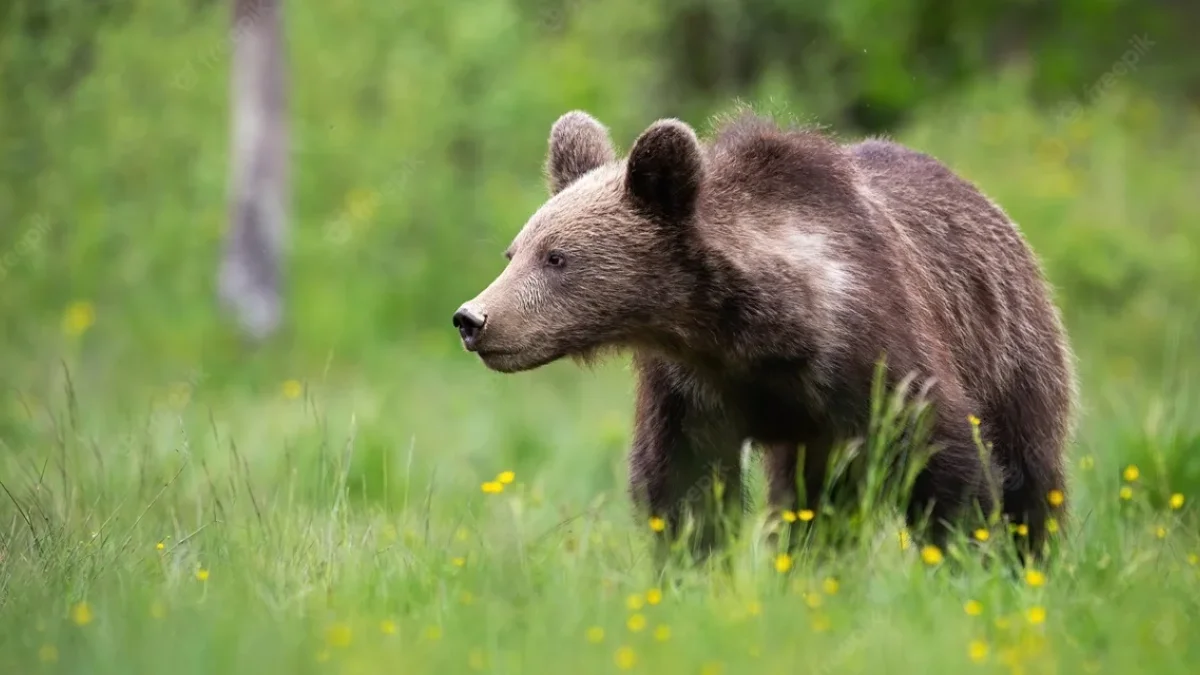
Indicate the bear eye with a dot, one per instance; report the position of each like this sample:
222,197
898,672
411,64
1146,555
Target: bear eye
555,259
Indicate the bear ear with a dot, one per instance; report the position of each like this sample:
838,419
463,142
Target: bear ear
664,170
578,144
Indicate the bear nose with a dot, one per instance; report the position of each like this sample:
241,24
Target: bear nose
469,324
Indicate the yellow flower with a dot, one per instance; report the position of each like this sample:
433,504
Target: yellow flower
783,563
48,654
806,515
81,614
653,596
462,533
475,659
636,623
1052,525
492,487
813,600
789,516
1193,559
1022,530
338,635
595,634
662,633
1055,497
931,554
361,204
1160,532
387,627
977,650
625,658
754,608
982,534
905,540
1087,462
973,608
973,420
1035,578
830,585
159,546
1036,615
1131,473
292,389
202,574
1176,501
505,477
78,318
1126,492
658,524
459,561
634,602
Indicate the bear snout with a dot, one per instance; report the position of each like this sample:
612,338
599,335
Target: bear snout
469,323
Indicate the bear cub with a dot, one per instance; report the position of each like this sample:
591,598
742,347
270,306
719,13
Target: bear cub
757,278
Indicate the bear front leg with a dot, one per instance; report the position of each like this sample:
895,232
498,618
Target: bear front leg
684,469
954,482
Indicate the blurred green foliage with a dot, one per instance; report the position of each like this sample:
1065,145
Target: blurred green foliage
419,132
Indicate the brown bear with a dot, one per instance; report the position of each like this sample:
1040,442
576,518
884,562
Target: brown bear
757,279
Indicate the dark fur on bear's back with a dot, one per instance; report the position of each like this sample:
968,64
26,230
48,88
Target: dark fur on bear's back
758,279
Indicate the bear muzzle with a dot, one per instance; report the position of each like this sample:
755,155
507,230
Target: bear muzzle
469,323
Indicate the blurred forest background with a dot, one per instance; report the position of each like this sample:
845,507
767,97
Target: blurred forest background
418,131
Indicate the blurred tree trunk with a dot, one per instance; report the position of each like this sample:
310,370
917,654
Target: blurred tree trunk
251,269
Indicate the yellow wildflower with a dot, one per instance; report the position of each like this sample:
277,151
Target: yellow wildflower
1055,497
653,596
506,477
830,585
931,554
595,634
159,546
789,516
1193,559
1176,501
48,654
634,602
1160,532
1087,462
977,650
754,607
387,627
783,563
81,614
973,420
662,633
459,561
813,600
973,608
1022,530
1131,473
1126,492
625,658
658,524
492,487
202,574
982,534
78,318
1035,578
338,635
1036,615
1052,525
292,389
636,623
806,515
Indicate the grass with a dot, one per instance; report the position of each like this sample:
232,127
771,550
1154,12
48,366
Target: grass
314,530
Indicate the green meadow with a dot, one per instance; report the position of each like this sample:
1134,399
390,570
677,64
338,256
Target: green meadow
359,495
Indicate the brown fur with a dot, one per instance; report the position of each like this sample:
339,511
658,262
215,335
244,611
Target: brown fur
757,279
